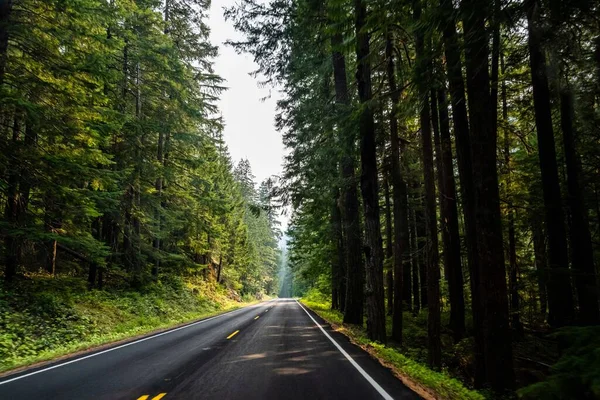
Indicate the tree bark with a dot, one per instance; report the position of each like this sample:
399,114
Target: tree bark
389,252
499,374
452,52
160,151
597,60
560,296
5,14
402,284
421,238
12,244
93,267
541,266
582,253
353,308
337,265
414,251
437,146
450,231
515,311
423,61
372,249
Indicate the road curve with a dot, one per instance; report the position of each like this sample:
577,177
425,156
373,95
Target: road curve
273,350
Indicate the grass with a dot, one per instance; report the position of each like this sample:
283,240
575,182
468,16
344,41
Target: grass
438,385
43,318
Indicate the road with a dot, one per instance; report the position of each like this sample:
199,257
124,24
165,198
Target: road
273,350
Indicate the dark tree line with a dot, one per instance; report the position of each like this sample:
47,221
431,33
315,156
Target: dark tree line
446,116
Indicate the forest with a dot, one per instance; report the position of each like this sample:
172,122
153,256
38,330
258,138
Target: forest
442,175
443,178
115,182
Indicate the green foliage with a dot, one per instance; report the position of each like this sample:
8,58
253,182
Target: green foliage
113,161
44,318
576,375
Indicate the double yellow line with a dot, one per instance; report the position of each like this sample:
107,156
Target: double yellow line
157,397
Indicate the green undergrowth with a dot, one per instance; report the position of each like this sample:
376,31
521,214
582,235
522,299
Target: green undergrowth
43,318
442,384
576,375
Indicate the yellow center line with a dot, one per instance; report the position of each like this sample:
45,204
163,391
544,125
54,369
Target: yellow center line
144,397
233,334
257,317
159,396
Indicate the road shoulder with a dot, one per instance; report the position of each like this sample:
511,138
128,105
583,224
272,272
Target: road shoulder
377,369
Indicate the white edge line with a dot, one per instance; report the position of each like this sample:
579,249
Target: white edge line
121,346
375,385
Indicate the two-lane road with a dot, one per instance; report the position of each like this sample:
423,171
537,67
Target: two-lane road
273,350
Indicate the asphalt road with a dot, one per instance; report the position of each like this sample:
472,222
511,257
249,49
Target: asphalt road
273,350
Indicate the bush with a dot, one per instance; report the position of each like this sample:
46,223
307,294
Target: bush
42,318
576,375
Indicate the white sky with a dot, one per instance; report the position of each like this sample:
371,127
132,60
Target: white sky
249,121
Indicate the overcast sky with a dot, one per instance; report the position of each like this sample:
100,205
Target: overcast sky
249,122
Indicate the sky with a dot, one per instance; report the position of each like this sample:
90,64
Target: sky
249,118
249,122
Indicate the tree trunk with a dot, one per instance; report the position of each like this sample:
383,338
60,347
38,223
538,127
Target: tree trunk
560,297
515,311
12,243
138,175
353,308
25,178
372,249
402,285
389,252
497,344
582,253
435,124
337,265
421,238
495,65
452,51
597,60
450,231
5,13
157,214
93,267
414,251
541,266
50,261
159,180
220,269
52,222
423,61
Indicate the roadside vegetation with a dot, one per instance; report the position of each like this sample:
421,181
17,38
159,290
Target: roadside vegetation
407,362
44,318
